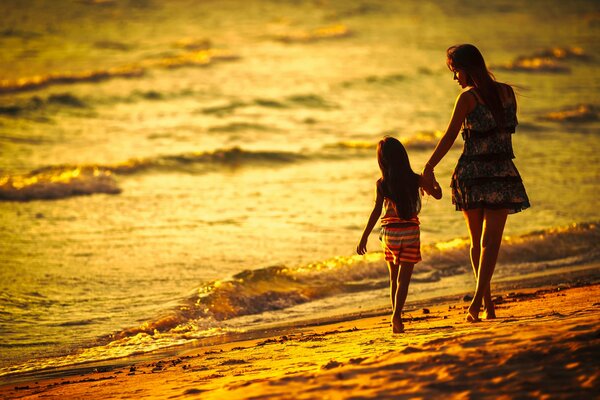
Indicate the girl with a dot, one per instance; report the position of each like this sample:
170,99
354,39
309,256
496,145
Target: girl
398,194
486,185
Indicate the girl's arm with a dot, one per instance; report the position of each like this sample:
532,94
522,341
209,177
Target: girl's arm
464,103
431,188
375,214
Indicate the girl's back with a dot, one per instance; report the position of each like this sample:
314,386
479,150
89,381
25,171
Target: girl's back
391,213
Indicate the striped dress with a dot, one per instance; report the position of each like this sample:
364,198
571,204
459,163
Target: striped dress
400,238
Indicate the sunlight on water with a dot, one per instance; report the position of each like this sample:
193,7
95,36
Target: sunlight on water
177,170
326,32
453,244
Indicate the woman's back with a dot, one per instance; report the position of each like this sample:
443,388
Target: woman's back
483,138
481,118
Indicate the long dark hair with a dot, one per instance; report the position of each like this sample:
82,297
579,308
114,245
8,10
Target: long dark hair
399,182
468,58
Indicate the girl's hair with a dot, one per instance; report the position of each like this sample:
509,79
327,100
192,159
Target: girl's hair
399,183
469,59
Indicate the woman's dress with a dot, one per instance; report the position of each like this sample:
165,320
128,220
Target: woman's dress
485,176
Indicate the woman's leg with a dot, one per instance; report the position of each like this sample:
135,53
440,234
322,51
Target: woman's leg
393,282
493,227
406,270
474,220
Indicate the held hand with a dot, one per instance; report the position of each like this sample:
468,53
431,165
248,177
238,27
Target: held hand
437,190
428,176
429,184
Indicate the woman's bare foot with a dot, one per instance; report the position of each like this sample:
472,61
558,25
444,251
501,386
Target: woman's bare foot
397,325
472,316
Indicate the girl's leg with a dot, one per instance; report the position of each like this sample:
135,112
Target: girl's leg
493,227
406,270
393,282
474,220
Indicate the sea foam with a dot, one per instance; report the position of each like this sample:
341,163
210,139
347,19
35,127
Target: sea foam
212,308
57,183
280,287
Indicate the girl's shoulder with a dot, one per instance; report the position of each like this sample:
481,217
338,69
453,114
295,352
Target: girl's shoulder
380,186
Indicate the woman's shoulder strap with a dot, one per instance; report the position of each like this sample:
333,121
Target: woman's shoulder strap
476,96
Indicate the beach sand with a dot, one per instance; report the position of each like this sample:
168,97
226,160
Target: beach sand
545,344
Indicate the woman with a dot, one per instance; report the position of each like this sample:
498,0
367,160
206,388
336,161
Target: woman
486,185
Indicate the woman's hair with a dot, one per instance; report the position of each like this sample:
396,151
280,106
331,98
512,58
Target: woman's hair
469,59
399,183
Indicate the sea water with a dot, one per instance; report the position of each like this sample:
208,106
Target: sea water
177,170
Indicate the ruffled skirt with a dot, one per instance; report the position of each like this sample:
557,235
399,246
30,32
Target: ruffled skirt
488,183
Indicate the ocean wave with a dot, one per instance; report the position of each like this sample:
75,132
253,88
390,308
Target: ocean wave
240,127
212,309
62,181
578,113
193,44
355,11
268,289
17,33
422,140
310,101
353,144
548,60
203,161
27,345
41,81
39,107
222,110
382,80
279,287
36,103
99,2
581,241
57,183
112,45
419,140
192,58
334,31
185,59
82,322
298,100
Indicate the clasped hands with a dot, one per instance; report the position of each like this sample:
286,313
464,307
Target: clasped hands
429,184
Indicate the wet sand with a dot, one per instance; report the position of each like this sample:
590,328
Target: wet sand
545,344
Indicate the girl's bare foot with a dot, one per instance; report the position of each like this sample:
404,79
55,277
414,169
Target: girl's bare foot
397,325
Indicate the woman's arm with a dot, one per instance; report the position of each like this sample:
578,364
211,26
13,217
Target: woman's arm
375,214
464,104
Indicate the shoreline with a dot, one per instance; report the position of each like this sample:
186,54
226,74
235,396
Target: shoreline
289,358
546,257
582,275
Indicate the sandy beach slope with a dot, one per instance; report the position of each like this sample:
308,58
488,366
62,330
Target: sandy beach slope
545,344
